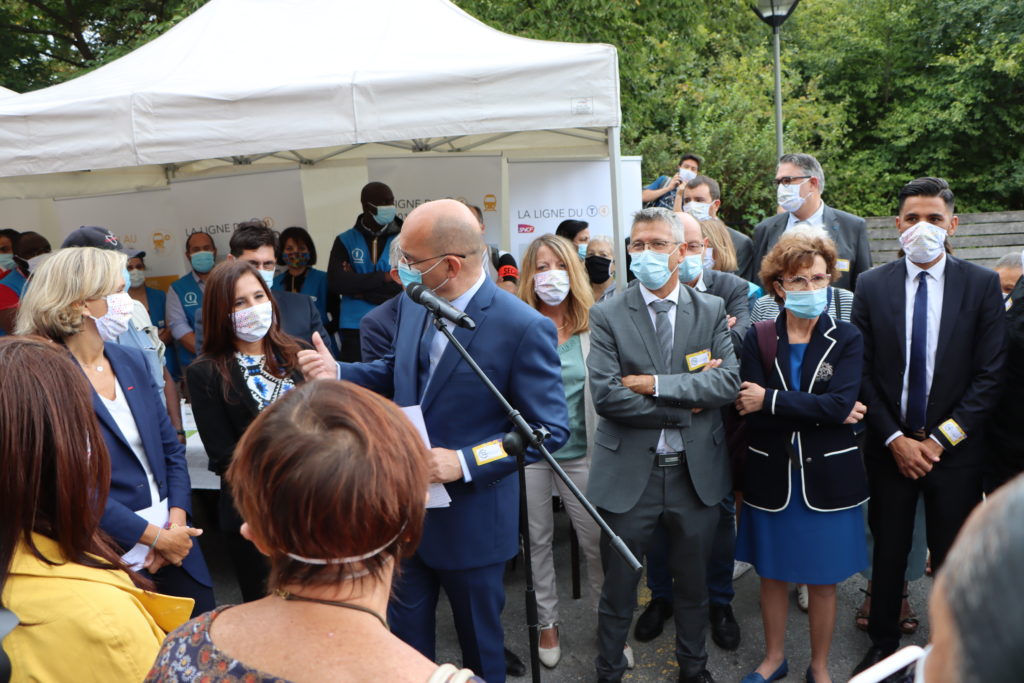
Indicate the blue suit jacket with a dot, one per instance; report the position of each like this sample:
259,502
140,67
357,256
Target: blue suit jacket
517,348
377,329
129,490
969,359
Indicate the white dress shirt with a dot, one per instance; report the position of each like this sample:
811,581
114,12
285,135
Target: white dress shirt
936,281
815,220
649,298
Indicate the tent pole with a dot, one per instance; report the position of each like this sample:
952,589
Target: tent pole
618,239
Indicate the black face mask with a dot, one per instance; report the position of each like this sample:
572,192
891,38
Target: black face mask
598,268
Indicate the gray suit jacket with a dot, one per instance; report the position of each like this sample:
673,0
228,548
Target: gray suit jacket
629,424
744,247
733,290
849,232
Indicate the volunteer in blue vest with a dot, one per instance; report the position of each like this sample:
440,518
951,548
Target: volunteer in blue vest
185,296
359,268
298,254
30,250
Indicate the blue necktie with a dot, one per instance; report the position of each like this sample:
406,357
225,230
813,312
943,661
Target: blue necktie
423,355
917,386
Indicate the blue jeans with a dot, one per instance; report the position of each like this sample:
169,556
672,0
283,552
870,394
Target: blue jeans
723,552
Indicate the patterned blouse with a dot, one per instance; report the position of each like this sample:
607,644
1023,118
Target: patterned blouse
189,655
264,387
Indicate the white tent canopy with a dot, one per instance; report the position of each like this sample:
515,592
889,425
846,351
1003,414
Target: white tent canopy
4,92
310,79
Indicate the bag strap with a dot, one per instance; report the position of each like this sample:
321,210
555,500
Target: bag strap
768,343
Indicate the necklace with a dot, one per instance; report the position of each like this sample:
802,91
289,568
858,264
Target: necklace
285,595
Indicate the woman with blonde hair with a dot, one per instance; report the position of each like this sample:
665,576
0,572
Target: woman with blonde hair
721,250
78,298
554,281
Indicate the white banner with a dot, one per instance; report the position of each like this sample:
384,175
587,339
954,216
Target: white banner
415,180
542,194
158,222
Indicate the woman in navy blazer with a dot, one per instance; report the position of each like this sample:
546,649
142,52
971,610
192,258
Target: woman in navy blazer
79,300
804,477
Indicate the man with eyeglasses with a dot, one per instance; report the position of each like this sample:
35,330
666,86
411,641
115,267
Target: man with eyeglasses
464,546
661,363
359,270
800,183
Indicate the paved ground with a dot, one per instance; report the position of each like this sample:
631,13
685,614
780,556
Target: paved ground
655,661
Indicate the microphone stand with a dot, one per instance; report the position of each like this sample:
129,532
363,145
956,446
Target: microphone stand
515,442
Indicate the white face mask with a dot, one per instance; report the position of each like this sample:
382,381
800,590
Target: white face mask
699,210
36,261
789,196
686,175
114,322
552,286
923,242
709,258
137,278
253,323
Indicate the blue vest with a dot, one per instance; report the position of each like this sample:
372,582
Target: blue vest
353,310
314,286
14,280
158,314
191,298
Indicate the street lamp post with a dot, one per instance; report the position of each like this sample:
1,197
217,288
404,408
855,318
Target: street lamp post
774,13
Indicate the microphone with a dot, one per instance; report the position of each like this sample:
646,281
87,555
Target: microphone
425,297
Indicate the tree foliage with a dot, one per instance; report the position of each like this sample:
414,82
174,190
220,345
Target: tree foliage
881,91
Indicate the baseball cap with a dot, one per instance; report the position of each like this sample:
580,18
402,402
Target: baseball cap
101,238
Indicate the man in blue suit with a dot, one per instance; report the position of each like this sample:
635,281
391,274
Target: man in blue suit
465,545
934,351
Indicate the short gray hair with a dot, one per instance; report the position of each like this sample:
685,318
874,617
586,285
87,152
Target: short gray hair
597,239
1012,261
395,252
808,164
657,213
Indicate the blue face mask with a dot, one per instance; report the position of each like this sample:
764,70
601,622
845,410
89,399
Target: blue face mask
651,269
268,277
202,261
809,304
691,267
581,249
6,261
410,276
127,279
384,215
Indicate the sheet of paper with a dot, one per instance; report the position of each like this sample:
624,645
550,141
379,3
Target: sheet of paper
438,494
155,514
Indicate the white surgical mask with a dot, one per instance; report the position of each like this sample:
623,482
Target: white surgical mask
136,278
253,323
686,175
789,196
709,258
699,210
36,261
923,242
552,286
114,322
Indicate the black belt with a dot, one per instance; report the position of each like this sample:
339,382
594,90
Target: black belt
671,459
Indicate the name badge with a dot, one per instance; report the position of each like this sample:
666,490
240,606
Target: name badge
843,264
489,452
697,360
951,430
1008,304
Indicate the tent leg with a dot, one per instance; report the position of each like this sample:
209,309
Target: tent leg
618,239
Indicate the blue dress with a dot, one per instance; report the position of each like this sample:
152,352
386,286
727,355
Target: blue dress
798,544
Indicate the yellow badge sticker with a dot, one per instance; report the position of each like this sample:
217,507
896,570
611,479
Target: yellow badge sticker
1009,303
489,452
951,430
843,264
698,359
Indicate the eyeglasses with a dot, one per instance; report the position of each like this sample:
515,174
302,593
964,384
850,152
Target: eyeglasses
803,284
655,245
405,259
789,179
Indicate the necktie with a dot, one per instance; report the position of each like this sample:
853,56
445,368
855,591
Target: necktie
663,332
423,356
917,385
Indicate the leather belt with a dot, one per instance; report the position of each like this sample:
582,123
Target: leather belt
671,459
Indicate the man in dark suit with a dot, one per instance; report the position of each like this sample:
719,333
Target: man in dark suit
1006,433
725,630
801,182
702,198
934,351
661,363
252,241
377,328
465,546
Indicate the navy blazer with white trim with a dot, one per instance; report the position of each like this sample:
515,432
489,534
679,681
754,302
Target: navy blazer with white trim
806,424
